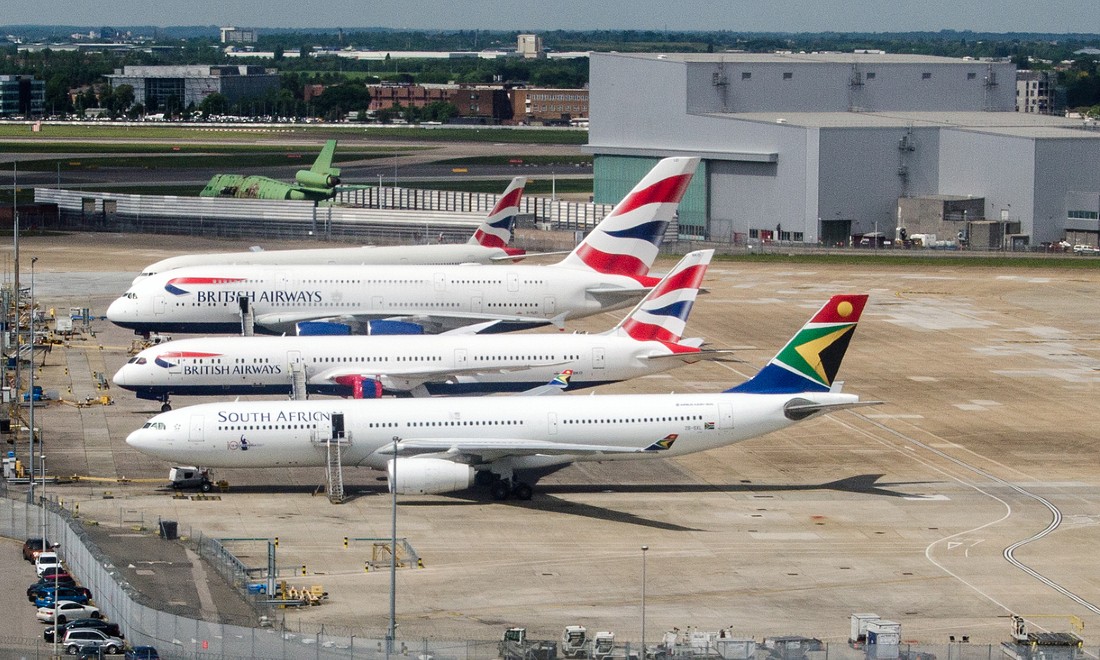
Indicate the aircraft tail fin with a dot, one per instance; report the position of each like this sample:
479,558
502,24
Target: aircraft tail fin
662,315
627,240
811,359
323,164
496,230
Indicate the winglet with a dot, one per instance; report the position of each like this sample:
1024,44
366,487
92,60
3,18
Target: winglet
627,240
496,229
811,359
557,385
662,315
663,444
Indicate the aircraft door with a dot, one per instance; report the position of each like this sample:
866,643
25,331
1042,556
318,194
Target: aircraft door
376,304
598,358
460,358
548,306
475,304
293,358
440,282
197,425
175,366
513,282
725,416
552,423
160,305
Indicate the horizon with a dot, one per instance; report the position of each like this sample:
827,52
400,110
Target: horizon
1057,17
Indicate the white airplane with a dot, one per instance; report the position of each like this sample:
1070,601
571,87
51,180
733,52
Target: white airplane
648,340
607,270
488,244
442,445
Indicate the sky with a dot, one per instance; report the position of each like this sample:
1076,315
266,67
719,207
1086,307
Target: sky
1056,16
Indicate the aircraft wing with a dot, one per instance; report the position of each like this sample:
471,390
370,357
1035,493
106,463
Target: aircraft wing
480,450
398,378
432,322
529,255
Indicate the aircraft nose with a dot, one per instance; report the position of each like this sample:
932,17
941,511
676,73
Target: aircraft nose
119,378
139,440
118,311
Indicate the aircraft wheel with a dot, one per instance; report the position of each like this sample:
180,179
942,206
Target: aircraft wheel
500,490
522,491
165,407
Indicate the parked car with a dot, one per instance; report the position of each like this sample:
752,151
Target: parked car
62,573
84,640
75,594
32,591
108,627
66,591
142,653
33,546
44,560
66,610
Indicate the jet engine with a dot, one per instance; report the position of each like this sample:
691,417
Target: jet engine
316,179
428,476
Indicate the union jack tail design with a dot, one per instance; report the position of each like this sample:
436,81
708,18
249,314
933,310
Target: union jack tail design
496,230
662,315
627,240
811,359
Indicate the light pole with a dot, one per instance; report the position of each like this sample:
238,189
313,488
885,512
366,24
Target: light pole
391,631
30,392
645,548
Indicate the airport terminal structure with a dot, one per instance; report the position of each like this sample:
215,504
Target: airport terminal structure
818,148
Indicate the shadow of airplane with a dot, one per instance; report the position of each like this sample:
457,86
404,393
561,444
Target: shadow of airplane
865,484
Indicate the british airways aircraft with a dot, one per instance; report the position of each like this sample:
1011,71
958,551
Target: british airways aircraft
608,270
488,244
442,445
648,340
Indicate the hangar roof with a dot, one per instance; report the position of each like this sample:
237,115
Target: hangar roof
818,57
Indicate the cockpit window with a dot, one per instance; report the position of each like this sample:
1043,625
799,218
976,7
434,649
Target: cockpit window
158,426
136,360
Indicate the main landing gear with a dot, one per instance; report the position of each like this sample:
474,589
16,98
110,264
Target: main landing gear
165,406
501,488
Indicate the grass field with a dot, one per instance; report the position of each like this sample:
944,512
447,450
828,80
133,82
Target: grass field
277,132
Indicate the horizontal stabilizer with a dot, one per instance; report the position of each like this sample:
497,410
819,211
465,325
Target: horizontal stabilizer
799,409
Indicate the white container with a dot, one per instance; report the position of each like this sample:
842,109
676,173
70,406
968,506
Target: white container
859,626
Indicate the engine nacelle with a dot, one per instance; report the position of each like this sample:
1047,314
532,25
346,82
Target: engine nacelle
316,179
322,328
428,476
383,327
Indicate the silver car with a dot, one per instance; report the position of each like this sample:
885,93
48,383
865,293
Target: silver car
83,638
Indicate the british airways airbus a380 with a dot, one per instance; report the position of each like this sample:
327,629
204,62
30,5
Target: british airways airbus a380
447,444
488,244
608,270
647,341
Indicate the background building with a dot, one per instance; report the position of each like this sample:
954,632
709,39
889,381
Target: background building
163,87
21,96
530,46
1035,92
233,35
818,148
541,105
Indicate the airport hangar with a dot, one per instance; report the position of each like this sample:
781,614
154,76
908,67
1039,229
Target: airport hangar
814,148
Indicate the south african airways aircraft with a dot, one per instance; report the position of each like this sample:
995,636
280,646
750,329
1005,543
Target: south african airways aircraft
488,244
648,340
608,270
447,444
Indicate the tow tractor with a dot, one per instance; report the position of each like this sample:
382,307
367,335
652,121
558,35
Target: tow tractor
514,645
187,476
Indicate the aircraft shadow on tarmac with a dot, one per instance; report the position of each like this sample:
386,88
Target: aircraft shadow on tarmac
866,484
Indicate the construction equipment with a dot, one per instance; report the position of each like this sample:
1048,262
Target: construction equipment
514,645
